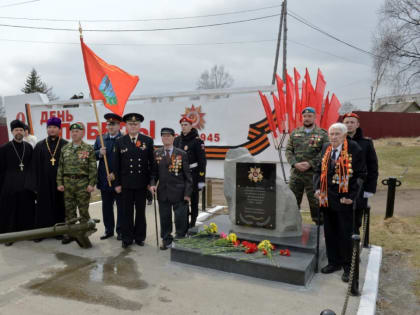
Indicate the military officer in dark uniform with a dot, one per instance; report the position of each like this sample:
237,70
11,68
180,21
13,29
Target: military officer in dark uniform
190,142
108,194
355,133
172,171
133,163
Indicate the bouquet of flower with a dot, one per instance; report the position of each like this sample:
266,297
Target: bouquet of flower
266,248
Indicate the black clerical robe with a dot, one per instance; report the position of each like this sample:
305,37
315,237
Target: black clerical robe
17,201
49,209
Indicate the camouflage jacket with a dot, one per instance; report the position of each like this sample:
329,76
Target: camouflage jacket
304,146
79,161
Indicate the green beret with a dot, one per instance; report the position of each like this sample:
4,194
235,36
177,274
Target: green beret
76,126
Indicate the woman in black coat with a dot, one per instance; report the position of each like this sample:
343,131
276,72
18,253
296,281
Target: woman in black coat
336,187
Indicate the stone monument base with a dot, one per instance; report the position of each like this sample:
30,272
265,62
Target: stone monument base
297,269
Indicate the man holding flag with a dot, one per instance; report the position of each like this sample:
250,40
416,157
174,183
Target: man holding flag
113,87
303,152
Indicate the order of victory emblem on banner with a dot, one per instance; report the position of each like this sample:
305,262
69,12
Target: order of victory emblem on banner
255,174
197,117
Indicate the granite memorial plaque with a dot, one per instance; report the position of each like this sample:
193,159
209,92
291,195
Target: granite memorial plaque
256,195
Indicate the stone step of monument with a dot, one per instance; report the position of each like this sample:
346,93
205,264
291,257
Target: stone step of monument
297,269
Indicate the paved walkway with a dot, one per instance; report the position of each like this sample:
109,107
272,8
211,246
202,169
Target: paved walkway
49,278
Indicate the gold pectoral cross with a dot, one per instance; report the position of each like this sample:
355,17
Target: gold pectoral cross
52,161
21,166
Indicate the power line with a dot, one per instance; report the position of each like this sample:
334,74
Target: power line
139,20
140,30
18,3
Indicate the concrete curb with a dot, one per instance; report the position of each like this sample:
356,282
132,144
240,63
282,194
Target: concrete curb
367,304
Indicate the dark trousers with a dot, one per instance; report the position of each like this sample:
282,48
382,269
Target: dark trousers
195,196
338,231
110,197
181,219
133,229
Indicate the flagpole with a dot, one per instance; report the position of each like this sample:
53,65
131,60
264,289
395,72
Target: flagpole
101,139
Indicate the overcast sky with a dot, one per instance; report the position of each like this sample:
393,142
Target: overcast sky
168,68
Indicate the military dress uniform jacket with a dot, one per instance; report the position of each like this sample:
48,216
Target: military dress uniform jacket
77,161
109,145
133,162
304,146
366,144
174,176
194,146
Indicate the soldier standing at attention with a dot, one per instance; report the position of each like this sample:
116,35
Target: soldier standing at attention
76,176
172,170
108,194
190,142
355,133
133,164
303,153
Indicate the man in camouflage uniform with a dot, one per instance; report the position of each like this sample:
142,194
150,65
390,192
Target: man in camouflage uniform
303,153
76,176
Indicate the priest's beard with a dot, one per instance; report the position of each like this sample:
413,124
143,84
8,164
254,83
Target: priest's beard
18,137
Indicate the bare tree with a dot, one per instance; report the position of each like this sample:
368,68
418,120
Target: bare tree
379,67
398,44
217,78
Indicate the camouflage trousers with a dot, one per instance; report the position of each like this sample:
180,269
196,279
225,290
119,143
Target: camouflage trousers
300,183
76,197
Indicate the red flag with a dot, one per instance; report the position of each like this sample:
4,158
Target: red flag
289,102
279,114
332,114
303,98
298,108
319,95
325,113
310,92
280,83
106,82
268,113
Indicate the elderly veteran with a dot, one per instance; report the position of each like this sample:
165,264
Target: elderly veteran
336,187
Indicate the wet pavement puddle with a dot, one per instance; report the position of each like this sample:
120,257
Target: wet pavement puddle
86,280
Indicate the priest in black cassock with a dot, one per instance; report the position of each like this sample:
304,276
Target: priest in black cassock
17,201
49,209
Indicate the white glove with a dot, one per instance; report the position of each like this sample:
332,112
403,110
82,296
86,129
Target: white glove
201,185
367,194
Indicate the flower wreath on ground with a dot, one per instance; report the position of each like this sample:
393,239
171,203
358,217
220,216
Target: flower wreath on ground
210,242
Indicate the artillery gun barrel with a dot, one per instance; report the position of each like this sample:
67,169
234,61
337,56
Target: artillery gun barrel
79,231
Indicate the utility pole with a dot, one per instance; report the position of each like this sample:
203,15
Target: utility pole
276,59
285,40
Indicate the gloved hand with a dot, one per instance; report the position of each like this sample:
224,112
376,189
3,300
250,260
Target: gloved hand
367,194
201,185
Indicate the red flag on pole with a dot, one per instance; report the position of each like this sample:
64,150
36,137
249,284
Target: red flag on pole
310,92
106,82
289,102
298,108
282,101
268,113
319,95
279,114
332,114
325,113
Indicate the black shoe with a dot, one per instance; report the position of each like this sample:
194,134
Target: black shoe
104,237
119,237
140,243
165,246
8,244
125,245
330,269
59,237
345,277
67,240
38,240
